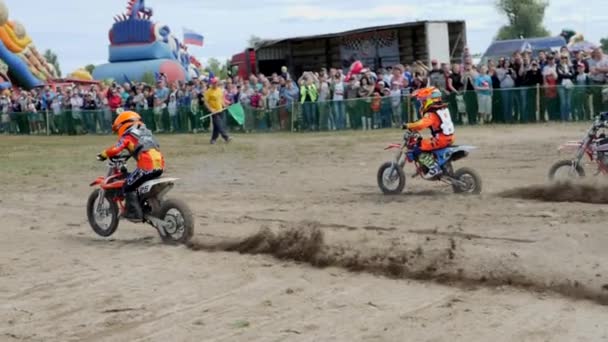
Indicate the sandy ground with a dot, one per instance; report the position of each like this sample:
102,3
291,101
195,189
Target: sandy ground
428,265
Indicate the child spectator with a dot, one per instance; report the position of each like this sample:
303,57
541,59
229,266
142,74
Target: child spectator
5,119
273,106
5,106
254,101
34,116
172,108
376,107
57,114
76,103
353,113
245,99
395,95
483,86
580,95
551,93
337,116
324,106
366,90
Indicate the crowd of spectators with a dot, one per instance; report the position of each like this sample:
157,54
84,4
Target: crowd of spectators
557,86
563,85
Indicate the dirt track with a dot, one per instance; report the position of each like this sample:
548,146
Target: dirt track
429,265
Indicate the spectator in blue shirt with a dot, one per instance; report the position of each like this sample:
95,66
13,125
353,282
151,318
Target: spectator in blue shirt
483,87
291,94
162,92
407,74
47,98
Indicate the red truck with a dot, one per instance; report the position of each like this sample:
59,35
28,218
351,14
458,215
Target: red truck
243,64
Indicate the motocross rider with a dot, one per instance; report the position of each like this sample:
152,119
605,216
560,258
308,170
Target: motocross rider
141,144
436,117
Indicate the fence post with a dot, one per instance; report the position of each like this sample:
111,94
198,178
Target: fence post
539,116
293,113
48,131
592,102
409,108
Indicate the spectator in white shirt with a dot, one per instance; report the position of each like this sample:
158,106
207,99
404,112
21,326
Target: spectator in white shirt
338,114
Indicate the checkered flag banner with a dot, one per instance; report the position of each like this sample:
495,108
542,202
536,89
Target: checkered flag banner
381,39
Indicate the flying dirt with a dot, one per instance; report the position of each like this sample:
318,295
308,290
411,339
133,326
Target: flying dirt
305,243
567,191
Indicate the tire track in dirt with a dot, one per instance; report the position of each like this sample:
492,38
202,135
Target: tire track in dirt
305,242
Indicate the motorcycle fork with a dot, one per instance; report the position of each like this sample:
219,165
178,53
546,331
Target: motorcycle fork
399,162
100,197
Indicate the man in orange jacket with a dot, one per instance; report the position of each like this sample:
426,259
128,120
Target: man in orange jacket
141,144
436,117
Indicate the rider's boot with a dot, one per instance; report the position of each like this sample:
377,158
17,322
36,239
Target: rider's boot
427,160
133,209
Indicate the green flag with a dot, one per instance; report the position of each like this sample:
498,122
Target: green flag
237,112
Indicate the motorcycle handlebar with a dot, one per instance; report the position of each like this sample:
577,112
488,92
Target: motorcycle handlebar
119,158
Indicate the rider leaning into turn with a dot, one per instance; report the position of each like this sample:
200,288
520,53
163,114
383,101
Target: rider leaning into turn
436,117
141,144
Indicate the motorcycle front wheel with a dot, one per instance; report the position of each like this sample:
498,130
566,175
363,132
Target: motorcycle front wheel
568,168
469,181
391,179
179,221
103,218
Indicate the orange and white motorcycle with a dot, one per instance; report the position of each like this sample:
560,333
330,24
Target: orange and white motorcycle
172,218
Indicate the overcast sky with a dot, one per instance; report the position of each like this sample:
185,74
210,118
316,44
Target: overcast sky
78,29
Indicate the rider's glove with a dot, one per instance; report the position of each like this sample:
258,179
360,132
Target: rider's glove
100,157
404,126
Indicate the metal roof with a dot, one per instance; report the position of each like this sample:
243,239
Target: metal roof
270,42
507,47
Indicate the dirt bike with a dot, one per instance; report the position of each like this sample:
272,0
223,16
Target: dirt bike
593,145
172,218
391,175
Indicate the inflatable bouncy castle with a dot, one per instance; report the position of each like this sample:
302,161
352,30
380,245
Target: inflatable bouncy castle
20,63
139,46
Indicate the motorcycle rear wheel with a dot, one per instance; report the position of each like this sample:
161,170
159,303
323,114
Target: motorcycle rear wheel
112,211
472,180
179,220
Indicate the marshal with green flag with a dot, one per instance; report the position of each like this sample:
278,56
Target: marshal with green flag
236,111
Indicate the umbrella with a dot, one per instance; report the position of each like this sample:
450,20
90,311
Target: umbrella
581,46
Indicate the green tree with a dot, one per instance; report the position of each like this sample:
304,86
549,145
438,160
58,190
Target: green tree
217,68
52,59
254,42
525,19
604,44
148,78
90,68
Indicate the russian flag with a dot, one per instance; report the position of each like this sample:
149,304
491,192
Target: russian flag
193,38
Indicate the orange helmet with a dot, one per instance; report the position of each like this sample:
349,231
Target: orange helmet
124,121
427,96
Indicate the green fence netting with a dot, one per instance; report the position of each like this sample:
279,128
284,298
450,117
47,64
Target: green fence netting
515,105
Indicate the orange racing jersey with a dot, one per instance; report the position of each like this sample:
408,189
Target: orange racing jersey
140,143
437,119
